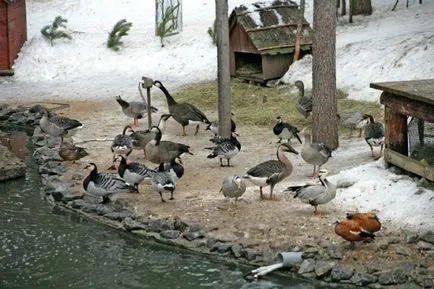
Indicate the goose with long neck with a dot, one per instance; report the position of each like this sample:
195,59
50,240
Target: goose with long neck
303,103
374,135
158,151
315,154
58,126
270,172
183,112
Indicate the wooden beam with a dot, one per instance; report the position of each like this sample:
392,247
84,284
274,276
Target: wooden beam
395,136
409,107
409,164
274,27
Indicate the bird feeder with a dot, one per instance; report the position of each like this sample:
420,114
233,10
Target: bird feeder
409,125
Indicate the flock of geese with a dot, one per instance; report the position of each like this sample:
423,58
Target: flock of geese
167,155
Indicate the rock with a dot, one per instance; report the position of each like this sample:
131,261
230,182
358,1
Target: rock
190,236
395,276
220,247
179,225
77,204
210,242
159,225
422,245
338,273
70,195
310,252
89,208
236,250
57,196
170,234
428,237
249,254
383,243
428,283
334,252
130,224
6,112
362,279
411,237
18,117
343,184
118,216
402,250
102,209
195,228
307,266
323,268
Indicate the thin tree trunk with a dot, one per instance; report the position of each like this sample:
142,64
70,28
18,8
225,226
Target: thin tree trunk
362,7
394,6
223,70
299,31
351,4
324,107
344,8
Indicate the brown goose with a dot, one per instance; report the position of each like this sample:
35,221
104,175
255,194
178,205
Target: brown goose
158,151
303,103
269,173
183,112
58,126
134,109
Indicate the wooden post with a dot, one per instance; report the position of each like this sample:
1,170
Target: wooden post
299,31
223,70
147,83
395,134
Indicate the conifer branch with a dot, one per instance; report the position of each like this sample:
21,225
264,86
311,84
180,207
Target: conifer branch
56,30
121,28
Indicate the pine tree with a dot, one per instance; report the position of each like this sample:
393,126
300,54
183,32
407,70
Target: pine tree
120,29
56,30
212,32
168,23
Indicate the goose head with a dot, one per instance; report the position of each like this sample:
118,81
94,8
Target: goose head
238,181
288,148
157,83
91,167
127,129
323,173
300,85
279,119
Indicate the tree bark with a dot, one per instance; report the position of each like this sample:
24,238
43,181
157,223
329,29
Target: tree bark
299,31
223,70
344,8
362,7
324,107
350,11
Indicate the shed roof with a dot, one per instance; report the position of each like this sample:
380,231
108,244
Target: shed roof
272,26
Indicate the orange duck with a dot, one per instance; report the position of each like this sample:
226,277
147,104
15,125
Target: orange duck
368,221
351,231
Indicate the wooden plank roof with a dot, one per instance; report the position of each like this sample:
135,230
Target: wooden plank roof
421,90
271,26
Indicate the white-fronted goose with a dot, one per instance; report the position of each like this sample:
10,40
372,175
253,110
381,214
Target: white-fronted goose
226,148
163,182
269,173
284,130
183,112
315,154
134,109
158,151
353,120
374,136
134,173
233,187
303,103
315,195
58,126
104,185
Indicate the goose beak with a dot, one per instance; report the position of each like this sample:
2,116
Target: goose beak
289,148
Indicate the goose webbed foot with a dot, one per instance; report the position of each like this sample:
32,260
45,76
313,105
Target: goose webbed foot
161,196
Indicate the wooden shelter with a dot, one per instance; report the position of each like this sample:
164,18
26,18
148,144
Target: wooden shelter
409,125
262,39
13,32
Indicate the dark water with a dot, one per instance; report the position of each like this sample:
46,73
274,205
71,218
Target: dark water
44,247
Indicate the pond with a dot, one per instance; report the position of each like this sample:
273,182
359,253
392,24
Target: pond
42,246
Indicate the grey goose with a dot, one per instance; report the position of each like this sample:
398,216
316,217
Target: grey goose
233,187
353,120
303,103
134,109
315,154
58,126
374,136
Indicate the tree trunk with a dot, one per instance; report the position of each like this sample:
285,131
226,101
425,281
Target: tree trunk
362,7
324,107
223,70
350,8
299,31
344,8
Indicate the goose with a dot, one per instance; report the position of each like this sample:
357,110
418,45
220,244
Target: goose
163,181
58,126
122,144
316,194
233,187
353,120
214,126
270,172
158,151
303,103
134,173
226,148
351,231
368,221
374,135
315,154
104,185
134,109
284,130
183,112
176,169
71,152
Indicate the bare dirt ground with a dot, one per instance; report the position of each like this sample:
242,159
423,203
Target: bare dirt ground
261,224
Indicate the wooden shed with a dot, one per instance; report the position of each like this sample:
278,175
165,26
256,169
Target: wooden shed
262,39
13,32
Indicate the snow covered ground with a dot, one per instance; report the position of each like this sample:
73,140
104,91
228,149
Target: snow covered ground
385,46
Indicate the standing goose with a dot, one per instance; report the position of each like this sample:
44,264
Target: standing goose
134,173
270,172
158,151
316,194
353,120
284,130
214,126
351,231
227,148
163,181
183,112
303,103
58,126
374,135
176,169
233,187
368,221
71,152
122,144
104,185
315,154
134,109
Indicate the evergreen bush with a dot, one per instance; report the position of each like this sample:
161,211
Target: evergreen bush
168,24
212,32
120,29
56,30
